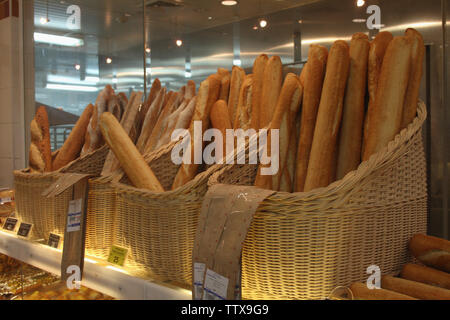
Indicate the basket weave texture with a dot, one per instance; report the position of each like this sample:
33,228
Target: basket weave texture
49,214
302,245
159,228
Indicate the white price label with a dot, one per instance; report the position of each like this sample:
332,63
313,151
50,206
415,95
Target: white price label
199,273
215,286
74,215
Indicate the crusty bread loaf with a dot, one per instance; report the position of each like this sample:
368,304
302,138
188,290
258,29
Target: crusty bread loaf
132,162
426,275
220,120
170,123
72,146
313,74
414,289
190,90
154,90
207,95
412,93
329,115
431,251
237,79
362,292
150,120
224,83
259,65
114,107
386,113
377,51
184,120
289,100
302,76
40,156
350,137
244,112
272,81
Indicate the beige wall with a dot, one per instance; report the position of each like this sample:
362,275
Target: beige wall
12,139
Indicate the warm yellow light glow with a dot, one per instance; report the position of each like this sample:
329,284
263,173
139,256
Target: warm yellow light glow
179,42
263,23
229,2
416,25
116,269
108,60
360,3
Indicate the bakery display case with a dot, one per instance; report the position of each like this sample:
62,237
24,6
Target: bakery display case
105,196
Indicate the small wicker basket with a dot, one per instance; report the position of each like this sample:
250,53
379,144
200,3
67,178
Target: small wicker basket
302,245
49,214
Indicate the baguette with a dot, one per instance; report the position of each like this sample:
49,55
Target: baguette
185,117
207,95
302,76
350,137
114,107
72,146
150,120
313,74
386,113
40,156
412,93
237,79
190,90
426,275
225,84
288,101
431,251
273,77
259,65
170,123
361,292
377,51
321,164
155,89
244,112
287,179
414,289
131,160
220,120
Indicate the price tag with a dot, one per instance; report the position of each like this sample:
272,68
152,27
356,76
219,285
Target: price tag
54,240
24,229
5,200
74,215
117,255
215,286
10,224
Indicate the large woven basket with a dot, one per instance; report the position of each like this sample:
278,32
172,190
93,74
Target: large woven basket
49,214
302,245
159,228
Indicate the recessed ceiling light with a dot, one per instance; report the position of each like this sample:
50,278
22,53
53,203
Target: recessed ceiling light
360,3
77,67
263,23
359,20
147,50
229,2
255,28
300,21
108,60
179,42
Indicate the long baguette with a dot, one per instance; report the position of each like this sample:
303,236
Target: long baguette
244,110
350,137
412,93
156,87
361,292
170,123
431,251
220,120
259,65
72,146
224,83
426,275
131,160
185,117
190,90
329,115
414,289
237,79
313,74
386,113
40,150
273,78
377,51
207,96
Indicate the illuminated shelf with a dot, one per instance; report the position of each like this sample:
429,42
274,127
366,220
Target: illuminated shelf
98,275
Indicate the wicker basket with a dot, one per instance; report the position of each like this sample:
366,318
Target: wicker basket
159,228
302,245
49,214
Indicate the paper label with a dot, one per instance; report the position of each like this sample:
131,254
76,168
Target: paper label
10,224
199,273
5,200
53,240
24,229
117,255
74,215
216,286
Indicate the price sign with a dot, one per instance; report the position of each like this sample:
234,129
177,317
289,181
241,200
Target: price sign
24,229
10,224
53,240
117,255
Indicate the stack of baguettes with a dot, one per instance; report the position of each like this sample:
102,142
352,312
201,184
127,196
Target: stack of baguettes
84,137
355,98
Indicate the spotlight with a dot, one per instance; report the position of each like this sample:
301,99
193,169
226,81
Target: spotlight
263,23
229,2
359,20
360,3
300,21
179,42
108,60
147,50
77,67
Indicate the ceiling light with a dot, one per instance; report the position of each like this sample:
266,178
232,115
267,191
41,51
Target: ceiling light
108,60
44,20
255,28
237,62
300,21
77,67
359,20
360,3
57,40
147,50
179,42
209,18
263,23
56,86
229,2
